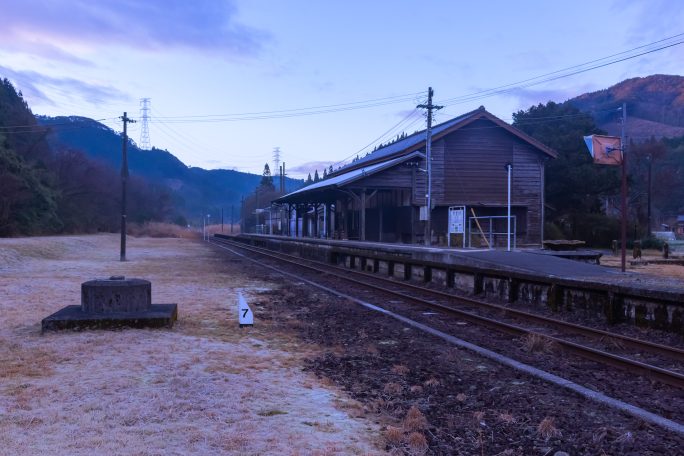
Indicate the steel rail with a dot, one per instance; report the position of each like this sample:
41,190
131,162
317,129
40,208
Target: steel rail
669,377
659,349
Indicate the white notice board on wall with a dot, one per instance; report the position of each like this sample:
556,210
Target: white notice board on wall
457,222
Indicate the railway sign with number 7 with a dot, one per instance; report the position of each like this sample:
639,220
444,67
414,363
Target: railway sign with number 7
245,315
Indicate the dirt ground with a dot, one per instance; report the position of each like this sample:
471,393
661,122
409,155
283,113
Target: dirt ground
658,270
434,398
204,387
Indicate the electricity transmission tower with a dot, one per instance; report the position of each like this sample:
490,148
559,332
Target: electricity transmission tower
276,158
145,109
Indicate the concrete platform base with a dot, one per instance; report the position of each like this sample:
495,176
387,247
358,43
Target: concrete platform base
73,317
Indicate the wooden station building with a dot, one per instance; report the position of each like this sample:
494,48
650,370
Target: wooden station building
382,196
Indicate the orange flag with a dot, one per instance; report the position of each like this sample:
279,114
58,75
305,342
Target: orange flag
605,150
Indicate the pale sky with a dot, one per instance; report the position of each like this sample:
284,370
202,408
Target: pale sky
206,63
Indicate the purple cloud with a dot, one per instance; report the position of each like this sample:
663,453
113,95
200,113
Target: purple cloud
310,167
527,97
44,50
31,83
205,25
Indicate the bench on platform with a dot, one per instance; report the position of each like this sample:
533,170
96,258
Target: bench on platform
563,244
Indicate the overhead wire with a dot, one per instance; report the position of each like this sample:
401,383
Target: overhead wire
299,111
164,121
158,119
380,138
563,73
38,128
171,134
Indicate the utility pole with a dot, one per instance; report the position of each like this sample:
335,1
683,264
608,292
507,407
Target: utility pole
650,168
242,215
232,220
428,157
509,168
124,178
282,180
623,203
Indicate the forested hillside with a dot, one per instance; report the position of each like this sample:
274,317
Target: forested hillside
62,175
655,106
583,198
28,194
192,191
46,189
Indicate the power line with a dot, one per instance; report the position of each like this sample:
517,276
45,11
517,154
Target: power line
562,73
305,111
382,136
37,128
184,138
333,108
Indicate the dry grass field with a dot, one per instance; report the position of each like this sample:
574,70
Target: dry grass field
204,387
659,270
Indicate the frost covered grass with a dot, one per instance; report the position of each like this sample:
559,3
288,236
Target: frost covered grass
204,387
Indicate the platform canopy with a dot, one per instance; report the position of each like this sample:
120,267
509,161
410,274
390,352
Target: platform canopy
330,186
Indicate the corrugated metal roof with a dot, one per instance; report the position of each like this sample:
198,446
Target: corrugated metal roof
410,141
351,176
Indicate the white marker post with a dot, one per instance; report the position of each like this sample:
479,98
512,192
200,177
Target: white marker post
245,314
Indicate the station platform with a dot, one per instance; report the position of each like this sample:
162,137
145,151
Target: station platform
540,263
531,276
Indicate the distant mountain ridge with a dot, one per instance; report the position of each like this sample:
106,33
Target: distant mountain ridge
655,106
195,190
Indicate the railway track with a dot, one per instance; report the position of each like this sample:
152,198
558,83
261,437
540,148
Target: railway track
448,304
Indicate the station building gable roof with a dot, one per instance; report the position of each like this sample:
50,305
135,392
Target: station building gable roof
403,150
417,140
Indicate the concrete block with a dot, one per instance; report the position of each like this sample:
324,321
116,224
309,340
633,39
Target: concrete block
116,295
73,317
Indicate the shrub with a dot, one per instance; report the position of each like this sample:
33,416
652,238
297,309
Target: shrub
552,231
597,230
417,443
160,230
652,243
415,420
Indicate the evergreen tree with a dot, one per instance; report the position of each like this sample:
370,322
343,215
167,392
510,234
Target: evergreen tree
316,178
267,179
574,185
308,181
27,200
325,173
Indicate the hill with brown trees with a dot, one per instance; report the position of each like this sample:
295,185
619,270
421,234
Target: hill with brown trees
655,107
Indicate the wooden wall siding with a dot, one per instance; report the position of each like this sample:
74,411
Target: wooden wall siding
438,173
397,176
470,165
419,186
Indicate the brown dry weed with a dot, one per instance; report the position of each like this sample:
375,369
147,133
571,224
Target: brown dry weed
203,387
